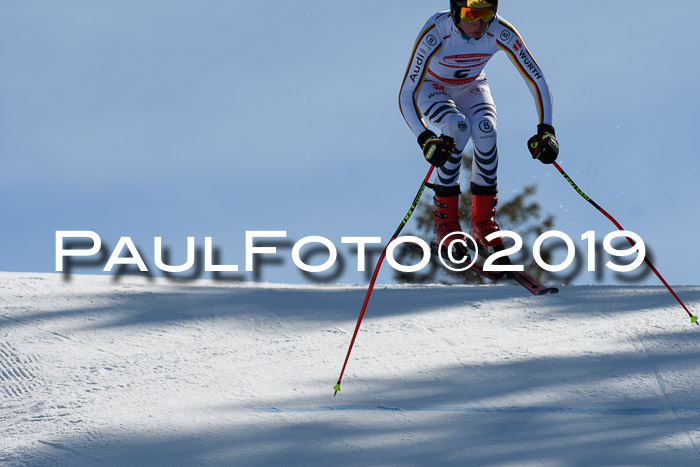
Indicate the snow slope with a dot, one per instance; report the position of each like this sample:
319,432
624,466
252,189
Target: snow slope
139,372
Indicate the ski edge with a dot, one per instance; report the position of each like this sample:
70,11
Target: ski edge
533,285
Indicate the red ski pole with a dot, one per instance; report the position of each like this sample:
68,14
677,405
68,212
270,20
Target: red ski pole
693,318
376,272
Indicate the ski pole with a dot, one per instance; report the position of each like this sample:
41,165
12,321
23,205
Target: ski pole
376,272
693,318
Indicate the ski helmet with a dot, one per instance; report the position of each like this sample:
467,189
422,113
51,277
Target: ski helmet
455,5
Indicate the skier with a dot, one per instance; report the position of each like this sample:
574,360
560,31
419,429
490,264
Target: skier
446,84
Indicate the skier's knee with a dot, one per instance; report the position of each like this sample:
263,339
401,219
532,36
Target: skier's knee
486,127
458,128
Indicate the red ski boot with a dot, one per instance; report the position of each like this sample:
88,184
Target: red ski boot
484,201
446,214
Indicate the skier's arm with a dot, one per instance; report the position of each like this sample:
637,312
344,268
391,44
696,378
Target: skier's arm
427,44
509,40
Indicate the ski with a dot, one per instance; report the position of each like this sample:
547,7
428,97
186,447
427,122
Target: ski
531,284
526,280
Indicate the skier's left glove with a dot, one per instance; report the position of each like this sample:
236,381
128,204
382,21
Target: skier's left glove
544,146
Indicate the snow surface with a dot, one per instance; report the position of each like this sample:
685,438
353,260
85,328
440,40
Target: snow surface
147,372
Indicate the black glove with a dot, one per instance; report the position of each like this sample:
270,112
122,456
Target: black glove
436,149
544,146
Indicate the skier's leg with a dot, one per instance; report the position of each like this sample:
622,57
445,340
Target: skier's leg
481,112
443,114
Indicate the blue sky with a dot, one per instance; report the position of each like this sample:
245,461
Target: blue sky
185,118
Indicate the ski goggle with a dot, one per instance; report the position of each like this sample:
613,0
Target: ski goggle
472,15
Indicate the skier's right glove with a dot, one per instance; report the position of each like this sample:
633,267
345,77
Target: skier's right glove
436,149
